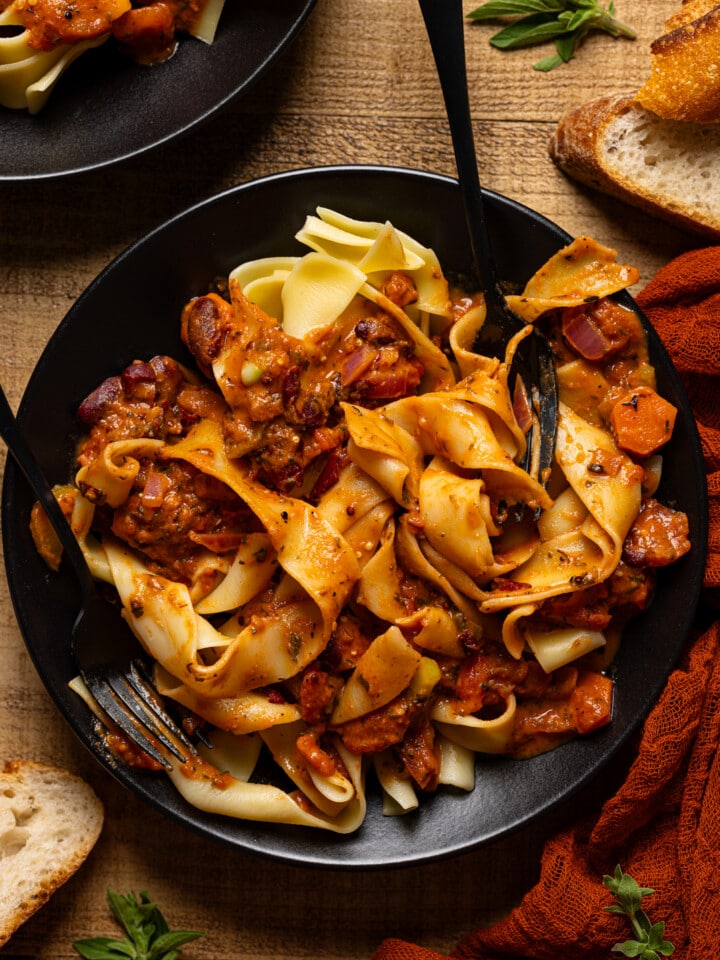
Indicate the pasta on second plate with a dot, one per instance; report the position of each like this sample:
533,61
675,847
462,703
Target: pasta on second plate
329,546
40,39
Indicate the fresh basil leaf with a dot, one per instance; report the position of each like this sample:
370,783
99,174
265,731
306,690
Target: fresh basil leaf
149,937
630,948
548,63
509,8
104,948
526,33
542,21
651,940
656,939
576,20
171,941
566,46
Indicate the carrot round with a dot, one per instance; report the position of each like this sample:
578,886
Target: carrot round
642,421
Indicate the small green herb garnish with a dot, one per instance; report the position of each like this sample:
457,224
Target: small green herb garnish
148,936
650,943
565,22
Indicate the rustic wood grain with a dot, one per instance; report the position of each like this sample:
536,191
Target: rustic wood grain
357,86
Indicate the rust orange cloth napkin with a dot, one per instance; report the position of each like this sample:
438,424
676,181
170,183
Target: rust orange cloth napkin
663,823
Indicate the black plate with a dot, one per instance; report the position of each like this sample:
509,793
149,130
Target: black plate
106,108
132,311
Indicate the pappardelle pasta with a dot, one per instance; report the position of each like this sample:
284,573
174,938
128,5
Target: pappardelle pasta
328,545
40,39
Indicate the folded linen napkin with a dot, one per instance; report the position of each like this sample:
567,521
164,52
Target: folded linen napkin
663,824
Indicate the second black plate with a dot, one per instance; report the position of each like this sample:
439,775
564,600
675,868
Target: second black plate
107,108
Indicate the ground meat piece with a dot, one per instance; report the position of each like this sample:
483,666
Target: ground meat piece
380,729
486,679
400,288
583,608
152,400
191,505
49,25
658,537
419,754
379,361
535,683
314,755
631,586
347,644
318,690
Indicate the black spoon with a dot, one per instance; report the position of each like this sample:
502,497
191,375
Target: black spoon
533,361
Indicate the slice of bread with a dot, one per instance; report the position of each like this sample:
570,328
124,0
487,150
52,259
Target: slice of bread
684,81
49,822
666,167
689,11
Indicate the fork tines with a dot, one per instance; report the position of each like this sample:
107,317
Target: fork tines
135,707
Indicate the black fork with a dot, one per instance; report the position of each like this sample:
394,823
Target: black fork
103,646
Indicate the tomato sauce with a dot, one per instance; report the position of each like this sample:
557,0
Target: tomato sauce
279,406
147,32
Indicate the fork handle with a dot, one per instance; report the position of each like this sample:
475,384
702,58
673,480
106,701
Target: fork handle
27,463
444,25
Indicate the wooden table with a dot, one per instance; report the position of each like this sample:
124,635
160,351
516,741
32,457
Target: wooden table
357,86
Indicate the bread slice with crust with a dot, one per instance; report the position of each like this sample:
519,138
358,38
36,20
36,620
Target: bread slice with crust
684,81
49,822
665,167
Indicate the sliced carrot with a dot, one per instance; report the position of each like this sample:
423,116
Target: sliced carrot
642,421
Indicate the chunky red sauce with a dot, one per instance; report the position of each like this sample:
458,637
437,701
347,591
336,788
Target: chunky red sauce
281,419
147,32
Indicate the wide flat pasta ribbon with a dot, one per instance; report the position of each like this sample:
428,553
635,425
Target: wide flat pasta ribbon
263,801
491,394
385,451
473,732
307,546
456,516
377,249
383,671
413,560
239,715
330,793
112,474
447,424
250,572
587,549
462,342
298,618
583,270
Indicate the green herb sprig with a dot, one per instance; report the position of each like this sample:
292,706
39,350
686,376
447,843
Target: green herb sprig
650,943
148,935
565,22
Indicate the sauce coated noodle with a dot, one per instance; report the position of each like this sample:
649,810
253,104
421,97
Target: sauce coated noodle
326,542
40,39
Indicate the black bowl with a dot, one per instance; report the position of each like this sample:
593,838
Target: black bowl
106,108
132,311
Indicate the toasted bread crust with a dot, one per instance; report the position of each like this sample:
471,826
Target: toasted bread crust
585,146
49,823
689,11
684,82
